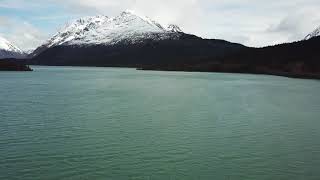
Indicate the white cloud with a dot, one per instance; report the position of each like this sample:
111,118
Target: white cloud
22,34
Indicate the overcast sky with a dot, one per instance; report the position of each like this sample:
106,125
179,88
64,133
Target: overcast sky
28,23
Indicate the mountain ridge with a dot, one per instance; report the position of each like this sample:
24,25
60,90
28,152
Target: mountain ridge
132,41
313,34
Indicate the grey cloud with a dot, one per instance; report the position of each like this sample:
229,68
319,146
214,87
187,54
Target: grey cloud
4,21
296,25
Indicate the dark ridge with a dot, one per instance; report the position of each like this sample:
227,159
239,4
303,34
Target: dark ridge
186,49
298,59
191,53
13,65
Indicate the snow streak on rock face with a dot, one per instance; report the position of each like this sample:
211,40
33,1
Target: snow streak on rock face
102,30
8,50
315,33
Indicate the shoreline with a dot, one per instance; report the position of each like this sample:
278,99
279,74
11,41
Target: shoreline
280,74
271,73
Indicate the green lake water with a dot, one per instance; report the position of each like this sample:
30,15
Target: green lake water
118,124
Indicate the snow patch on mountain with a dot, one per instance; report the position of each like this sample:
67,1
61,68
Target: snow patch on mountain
315,33
8,50
127,27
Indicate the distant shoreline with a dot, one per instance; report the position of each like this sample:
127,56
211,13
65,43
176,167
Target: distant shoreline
281,74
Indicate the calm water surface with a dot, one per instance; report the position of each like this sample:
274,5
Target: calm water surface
118,124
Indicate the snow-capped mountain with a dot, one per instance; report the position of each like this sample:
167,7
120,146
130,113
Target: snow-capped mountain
127,27
315,33
127,40
8,50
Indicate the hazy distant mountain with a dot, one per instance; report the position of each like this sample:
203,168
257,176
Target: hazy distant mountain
8,50
313,34
126,40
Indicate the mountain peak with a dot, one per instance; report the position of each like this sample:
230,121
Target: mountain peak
313,34
174,28
8,50
128,26
128,12
6,45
